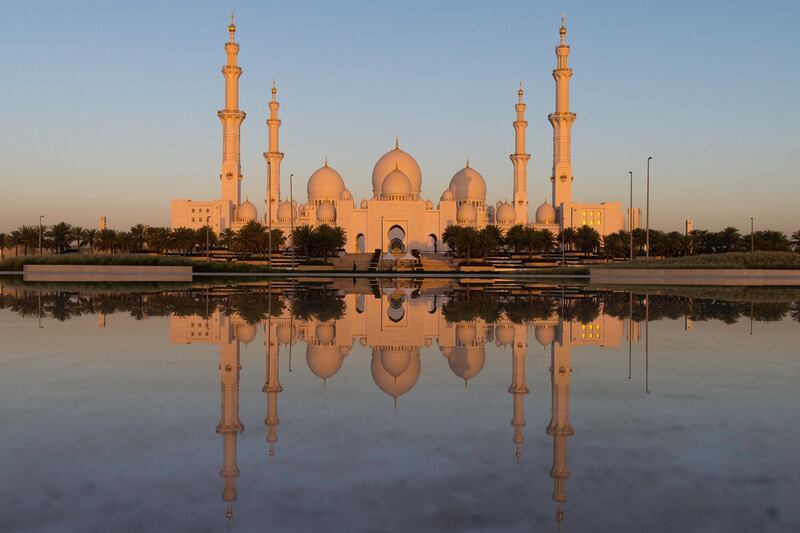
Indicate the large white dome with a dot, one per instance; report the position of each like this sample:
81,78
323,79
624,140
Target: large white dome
545,214
325,184
397,159
246,211
396,184
468,184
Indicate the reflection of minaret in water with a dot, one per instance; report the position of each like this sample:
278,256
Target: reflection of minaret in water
559,427
229,425
272,386
518,388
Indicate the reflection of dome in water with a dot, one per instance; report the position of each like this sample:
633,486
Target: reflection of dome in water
465,334
395,362
285,332
467,363
395,386
325,333
245,332
545,334
504,334
323,361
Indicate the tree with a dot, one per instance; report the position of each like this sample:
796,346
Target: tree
15,238
515,237
617,245
4,239
302,237
138,236
157,238
76,236
587,239
106,240
29,237
796,241
228,238
61,236
450,237
327,239
88,238
205,235
729,239
182,240
468,241
252,237
547,241
567,236
771,241
490,239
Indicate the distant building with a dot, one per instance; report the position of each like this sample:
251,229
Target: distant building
396,218
634,218
689,226
101,224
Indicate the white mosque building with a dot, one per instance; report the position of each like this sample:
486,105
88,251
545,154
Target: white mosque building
396,218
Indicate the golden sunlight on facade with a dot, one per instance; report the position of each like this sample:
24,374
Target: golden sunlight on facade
396,218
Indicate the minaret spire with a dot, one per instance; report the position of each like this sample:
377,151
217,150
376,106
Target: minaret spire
520,161
273,157
231,118
561,121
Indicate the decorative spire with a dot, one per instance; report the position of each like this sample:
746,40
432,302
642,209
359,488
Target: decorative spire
396,142
232,26
326,160
467,162
274,90
563,30
520,92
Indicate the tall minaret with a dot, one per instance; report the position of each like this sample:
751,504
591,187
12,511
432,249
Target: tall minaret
520,160
518,387
231,118
560,428
229,425
562,121
273,157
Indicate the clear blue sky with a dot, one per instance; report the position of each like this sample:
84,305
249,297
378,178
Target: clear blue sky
110,107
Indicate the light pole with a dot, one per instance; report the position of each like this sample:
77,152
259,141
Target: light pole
630,215
208,239
647,219
752,237
40,233
291,218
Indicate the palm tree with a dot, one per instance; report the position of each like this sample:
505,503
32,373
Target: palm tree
252,237
771,241
15,238
61,235
491,238
106,240
587,239
29,237
547,240
182,239
328,239
468,241
796,241
75,235
568,236
302,237
157,238
515,237
4,239
88,238
729,239
617,245
138,236
228,238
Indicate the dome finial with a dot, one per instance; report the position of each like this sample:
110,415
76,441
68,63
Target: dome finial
520,91
563,30
274,90
396,142
326,161
232,26
467,162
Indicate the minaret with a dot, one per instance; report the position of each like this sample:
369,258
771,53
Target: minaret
272,386
229,425
520,160
560,428
231,117
518,387
273,157
562,121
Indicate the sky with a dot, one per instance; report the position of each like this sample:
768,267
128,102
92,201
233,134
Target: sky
110,107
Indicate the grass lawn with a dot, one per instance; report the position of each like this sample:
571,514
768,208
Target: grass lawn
14,264
757,260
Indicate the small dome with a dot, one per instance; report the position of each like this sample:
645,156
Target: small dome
346,195
395,386
504,334
326,213
396,183
467,363
285,210
364,203
325,333
468,184
397,159
285,333
505,213
245,332
465,334
325,184
428,204
466,214
447,195
246,211
323,361
545,335
545,214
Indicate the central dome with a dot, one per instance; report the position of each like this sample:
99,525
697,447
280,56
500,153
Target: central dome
396,184
397,159
325,184
468,184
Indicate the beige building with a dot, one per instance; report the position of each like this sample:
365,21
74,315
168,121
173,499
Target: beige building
396,218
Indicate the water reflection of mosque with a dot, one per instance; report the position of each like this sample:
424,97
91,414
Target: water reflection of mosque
396,325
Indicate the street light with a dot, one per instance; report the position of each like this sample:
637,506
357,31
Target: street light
647,220
752,237
630,215
40,233
208,239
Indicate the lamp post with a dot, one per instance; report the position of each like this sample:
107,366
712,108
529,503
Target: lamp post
40,233
291,218
752,237
647,219
208,237
630,215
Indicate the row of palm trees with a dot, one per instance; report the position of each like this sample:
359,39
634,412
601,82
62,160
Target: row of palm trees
468,242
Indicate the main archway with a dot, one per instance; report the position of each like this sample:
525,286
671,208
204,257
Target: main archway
397,240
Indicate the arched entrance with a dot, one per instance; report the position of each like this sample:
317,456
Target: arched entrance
397,240
361,243
433,242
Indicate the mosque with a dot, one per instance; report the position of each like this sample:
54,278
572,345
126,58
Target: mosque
396,218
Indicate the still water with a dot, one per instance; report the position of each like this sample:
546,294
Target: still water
398,406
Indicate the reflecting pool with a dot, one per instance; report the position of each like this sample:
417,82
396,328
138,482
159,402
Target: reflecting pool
405,405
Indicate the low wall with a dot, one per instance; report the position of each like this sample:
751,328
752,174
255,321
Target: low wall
106,273
693,276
